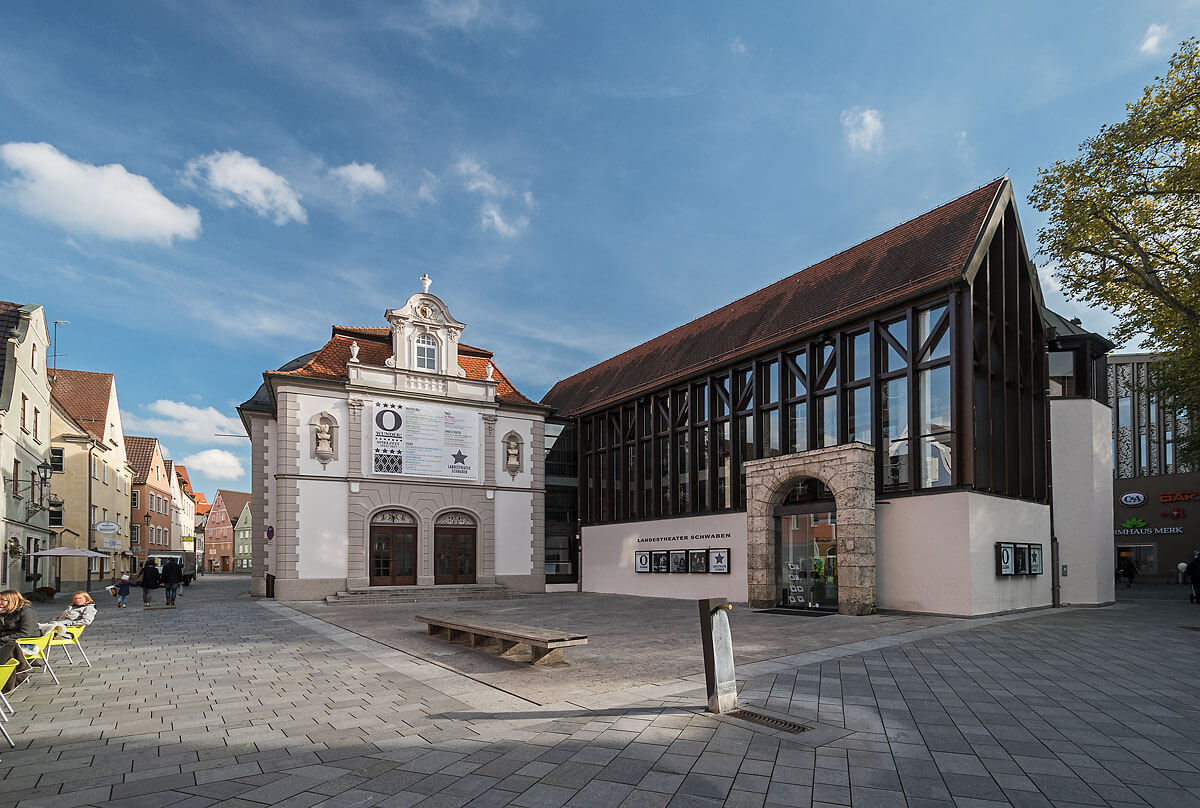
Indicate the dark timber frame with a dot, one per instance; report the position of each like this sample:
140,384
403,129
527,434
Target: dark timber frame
949,386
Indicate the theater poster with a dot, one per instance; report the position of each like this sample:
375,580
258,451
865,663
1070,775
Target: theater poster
425,440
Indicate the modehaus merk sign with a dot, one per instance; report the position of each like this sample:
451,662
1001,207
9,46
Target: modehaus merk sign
1014,558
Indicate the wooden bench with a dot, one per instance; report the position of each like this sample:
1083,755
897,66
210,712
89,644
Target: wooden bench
545,645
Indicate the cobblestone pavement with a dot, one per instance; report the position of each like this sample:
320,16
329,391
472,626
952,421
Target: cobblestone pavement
232,702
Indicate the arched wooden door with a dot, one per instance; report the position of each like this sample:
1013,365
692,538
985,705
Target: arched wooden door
454,544
393,549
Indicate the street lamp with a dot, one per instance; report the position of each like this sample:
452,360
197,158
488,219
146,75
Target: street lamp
44,471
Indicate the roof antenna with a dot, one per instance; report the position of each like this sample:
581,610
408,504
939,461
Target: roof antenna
54,354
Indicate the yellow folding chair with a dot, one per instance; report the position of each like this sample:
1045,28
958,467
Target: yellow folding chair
70,637
6,672
37,648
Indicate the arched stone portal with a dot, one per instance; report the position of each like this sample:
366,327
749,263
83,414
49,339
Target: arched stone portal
849,471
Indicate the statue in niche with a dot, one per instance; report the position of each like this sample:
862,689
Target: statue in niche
324,439
324,432
512,454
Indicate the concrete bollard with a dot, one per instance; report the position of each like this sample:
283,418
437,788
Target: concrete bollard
719,677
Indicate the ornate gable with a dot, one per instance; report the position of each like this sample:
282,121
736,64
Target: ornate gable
424,335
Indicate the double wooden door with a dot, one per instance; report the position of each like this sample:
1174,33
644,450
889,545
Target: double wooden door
393,555
453,555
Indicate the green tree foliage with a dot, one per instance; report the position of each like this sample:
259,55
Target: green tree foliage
1124,227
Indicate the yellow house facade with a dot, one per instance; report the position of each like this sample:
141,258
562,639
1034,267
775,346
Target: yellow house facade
91,480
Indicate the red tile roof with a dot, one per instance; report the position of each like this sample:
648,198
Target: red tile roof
921,254
202,506
84,396
140,453
234,501
330,361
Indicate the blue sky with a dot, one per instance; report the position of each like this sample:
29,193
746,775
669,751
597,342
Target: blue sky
203,188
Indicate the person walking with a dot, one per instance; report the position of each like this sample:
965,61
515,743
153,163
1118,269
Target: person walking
1130,571
172,577
123,592
149,580
1193,572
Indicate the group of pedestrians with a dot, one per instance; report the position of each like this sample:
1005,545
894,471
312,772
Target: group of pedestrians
168,578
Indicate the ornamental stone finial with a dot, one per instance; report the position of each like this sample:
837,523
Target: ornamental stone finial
489,372
425,281
353,351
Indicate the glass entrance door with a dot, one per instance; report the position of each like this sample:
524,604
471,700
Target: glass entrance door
393,555
807,560
453,555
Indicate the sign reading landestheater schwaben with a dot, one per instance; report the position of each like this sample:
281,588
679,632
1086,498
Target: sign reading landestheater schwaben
395,456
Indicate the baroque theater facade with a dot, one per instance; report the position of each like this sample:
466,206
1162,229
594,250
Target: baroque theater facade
395,456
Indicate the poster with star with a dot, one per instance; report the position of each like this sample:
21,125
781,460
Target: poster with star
423,440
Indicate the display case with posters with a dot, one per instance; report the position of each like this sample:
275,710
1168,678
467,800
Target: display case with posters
698,561
679,561
641,561
718,560
660,561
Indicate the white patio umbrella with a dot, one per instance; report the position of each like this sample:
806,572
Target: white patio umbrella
70,551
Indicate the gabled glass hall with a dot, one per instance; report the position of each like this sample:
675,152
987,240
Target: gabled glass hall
927,343
940,385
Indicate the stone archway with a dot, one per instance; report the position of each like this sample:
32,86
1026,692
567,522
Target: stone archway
849,471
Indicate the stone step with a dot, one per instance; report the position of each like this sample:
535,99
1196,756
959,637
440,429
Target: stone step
423,594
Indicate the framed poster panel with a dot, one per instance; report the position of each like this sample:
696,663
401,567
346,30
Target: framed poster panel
697,560
679,561
718,560
1005,564
641,561
1021,559
1035,559
660,561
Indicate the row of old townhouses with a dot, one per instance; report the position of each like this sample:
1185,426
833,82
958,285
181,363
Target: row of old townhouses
83,502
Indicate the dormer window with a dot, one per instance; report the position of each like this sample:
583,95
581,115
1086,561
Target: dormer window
426,352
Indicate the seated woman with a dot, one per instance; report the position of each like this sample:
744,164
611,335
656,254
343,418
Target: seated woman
16,620
81,612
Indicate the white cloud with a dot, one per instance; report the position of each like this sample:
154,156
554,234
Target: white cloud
237,179
863,128
216,464
1046,276
737,47
176,419
1153,41
429,185
492,218
477,180
530,202
360,178
106,201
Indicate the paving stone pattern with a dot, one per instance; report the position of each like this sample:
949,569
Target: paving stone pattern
233,702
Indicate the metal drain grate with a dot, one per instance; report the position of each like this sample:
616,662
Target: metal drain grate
768,721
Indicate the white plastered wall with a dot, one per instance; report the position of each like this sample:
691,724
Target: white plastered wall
1083,495
608,552
514,536
936,554
323,529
